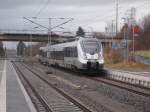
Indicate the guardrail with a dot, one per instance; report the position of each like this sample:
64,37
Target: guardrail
141,59
129,77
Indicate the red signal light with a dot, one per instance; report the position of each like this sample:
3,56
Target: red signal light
136,29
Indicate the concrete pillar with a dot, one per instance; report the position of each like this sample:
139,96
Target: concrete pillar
20,48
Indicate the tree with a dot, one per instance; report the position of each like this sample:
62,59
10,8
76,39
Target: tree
80,32
144,40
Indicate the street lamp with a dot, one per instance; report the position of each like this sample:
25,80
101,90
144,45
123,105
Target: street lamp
124,35
112,30
31,45
126,21
117,4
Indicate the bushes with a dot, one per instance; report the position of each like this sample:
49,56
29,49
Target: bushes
144,39
113,55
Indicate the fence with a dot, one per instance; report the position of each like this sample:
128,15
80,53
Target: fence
141,59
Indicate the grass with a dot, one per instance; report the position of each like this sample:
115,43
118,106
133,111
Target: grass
143,53
129,66
113,60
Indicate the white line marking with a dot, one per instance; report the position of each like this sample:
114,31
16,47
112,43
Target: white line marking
28,100
3,90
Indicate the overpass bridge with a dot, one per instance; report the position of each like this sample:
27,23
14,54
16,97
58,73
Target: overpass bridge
43,37
38,36
27,37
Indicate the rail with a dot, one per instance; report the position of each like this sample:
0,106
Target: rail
83,107
133,82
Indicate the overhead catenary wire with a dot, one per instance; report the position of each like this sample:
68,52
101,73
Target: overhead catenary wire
42,8
47,27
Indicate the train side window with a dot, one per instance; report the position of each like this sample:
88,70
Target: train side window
65,52
75,52
70,52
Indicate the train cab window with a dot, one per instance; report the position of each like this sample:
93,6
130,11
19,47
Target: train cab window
90,46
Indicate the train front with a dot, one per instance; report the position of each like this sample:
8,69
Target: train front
90,54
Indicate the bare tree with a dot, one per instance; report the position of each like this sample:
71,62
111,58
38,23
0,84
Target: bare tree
144,40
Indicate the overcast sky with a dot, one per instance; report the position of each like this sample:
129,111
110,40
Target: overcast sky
90,14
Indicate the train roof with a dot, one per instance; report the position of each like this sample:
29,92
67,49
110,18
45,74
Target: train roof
43,48
60,47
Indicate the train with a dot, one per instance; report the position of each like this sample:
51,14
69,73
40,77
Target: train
82,54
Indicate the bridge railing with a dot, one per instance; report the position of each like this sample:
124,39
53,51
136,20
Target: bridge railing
23,31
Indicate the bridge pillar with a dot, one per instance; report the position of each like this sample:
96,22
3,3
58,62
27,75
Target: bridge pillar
1,49
20,48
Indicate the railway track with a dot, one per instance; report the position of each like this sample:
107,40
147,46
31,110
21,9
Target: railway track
39,102
137,89
126,86
76,105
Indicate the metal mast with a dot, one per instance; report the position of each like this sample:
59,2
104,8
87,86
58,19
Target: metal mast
116,17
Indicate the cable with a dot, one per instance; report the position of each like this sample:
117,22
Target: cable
42,8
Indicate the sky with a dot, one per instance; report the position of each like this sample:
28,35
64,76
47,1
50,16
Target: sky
92,15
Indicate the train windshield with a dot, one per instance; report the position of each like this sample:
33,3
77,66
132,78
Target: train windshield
91,47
